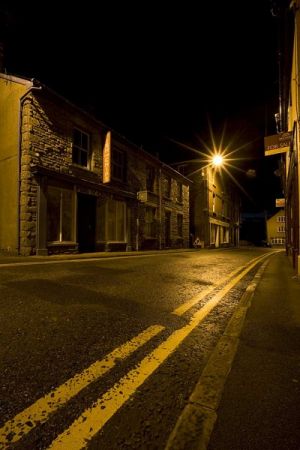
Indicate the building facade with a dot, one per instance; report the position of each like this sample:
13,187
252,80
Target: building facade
276,229
287,120
215,210
68,183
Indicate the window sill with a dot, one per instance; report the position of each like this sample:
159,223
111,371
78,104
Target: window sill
61,243
78,166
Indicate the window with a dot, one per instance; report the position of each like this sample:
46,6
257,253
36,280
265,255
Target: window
167,187
118,164
277,241
281,229
212,233
116,215
150,222
180,225
225,235
281,219
81,147
179,192
60,214
150,178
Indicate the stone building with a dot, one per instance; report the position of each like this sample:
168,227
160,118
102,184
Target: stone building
215,210
68,183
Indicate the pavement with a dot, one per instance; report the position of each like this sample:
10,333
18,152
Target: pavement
248,396
7,259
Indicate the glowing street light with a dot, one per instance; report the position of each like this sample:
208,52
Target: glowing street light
217,160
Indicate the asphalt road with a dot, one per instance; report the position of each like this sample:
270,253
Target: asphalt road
104,354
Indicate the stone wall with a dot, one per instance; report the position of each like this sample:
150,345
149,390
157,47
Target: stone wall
46,142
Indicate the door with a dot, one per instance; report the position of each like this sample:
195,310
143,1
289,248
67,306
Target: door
86,222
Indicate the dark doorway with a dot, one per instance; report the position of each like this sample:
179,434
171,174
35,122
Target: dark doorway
86,222
167,229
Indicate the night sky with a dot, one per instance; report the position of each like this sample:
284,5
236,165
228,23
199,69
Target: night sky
160,73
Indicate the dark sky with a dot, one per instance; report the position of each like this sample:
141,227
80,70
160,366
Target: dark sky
159,72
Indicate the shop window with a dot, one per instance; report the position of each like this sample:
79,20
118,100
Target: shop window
81,148
60,214
212,233
116,220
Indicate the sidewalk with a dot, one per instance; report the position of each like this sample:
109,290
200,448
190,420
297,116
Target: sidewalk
5,259
260,405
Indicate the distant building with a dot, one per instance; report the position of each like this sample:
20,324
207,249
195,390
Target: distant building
68,183
276,229
215,209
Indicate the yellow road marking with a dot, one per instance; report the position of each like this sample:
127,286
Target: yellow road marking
39,411
193,301
94,418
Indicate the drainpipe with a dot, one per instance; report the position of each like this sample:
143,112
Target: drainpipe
160,208
21,100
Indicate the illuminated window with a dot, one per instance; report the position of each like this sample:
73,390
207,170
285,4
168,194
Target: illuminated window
81,147
278,241
60,213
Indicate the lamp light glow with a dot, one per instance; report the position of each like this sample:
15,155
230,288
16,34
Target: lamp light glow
217,160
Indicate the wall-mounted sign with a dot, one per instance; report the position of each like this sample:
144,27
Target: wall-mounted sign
277,143
107,158
280,202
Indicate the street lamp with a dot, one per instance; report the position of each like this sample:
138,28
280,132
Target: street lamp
217,160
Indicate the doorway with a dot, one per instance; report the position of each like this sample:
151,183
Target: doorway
86,222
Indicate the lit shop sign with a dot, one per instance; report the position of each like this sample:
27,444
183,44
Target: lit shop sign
107,158
277,143
280,202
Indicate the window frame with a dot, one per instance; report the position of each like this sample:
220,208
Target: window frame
122,204
180,225
81,149
117,166
179,192
149,226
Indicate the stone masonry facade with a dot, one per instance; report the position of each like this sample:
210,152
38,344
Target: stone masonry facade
47,123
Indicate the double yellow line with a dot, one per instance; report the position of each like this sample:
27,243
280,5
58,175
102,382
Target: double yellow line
94,418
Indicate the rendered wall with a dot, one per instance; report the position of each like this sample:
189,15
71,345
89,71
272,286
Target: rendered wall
10,93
